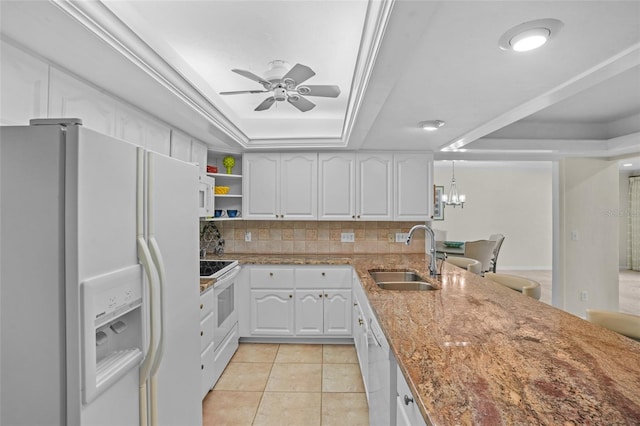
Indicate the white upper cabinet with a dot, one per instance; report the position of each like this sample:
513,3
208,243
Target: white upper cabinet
72,98
180,146
374,183
199,155
355,186
413,195
336,186
138,128
25,82
280,186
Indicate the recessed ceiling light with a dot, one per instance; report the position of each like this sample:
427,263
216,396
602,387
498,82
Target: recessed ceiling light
529,35
627,165
431,125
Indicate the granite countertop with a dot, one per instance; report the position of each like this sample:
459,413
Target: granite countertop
474,352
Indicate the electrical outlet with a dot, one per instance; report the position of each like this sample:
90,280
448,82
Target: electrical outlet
574,235
584,296
389,238
401,237
247,236
347,237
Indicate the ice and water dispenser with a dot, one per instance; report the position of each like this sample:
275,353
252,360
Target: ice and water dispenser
112,328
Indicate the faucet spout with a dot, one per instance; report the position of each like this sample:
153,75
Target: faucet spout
433,269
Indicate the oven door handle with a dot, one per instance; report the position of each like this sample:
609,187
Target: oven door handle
226,280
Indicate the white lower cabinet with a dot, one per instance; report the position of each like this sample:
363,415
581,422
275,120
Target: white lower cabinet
407,412
272,312
323,312
300,301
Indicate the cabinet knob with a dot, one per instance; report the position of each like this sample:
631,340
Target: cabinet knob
326,295
355,304
201,333
353,217
323,274
202,367
319,295
360,321
201,305
407,400
358,216
270,274
276,216
290,296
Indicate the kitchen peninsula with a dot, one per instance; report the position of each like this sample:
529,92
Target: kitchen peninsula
473,352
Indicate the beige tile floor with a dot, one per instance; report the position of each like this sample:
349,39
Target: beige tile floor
289,384
628,281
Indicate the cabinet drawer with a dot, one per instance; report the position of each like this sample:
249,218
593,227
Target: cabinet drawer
268,277
207,359
206,331
323,277
206,303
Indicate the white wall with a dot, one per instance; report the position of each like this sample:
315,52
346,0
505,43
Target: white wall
623,214
588,235
510,198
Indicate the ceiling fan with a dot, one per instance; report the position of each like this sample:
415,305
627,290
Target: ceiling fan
286,84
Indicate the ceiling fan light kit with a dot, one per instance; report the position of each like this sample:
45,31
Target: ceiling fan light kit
285,83
530,35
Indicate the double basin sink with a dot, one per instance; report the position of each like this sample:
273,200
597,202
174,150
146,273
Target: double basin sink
400,280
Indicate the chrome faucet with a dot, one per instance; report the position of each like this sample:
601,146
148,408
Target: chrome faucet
433,269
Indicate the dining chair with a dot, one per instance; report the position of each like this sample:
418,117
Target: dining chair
498,238
481,250
625,324
471,265
526,286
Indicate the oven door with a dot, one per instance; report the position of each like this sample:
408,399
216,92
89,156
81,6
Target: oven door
225,311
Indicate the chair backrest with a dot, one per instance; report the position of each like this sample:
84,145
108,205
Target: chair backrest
471,265
499,239
625,324
524,285
481,250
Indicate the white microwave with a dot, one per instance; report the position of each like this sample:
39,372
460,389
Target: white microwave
205,196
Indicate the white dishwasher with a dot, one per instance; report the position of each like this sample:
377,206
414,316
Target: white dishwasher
379,376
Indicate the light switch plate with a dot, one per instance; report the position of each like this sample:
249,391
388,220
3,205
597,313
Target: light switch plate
401,237
247,236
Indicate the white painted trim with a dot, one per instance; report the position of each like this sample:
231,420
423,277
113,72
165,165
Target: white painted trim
617,64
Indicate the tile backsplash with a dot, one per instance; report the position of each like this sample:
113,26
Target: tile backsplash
316,237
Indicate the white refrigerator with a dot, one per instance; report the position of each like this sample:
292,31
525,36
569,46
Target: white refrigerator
99,289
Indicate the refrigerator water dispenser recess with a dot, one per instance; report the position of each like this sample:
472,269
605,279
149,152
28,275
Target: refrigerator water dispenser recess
112,337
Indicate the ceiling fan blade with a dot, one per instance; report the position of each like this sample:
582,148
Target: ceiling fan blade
319,90
266,104
301,103
238,92
299,73
251,76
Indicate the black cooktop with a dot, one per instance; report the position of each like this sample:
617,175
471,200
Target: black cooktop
209,268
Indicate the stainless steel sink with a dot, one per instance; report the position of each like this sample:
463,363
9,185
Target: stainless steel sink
406,286
400,280
394,276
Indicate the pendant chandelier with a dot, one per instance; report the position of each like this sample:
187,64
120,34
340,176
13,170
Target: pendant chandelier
453,199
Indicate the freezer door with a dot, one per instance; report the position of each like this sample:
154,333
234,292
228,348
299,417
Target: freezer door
101,241
173,225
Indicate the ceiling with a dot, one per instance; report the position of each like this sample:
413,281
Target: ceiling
396,62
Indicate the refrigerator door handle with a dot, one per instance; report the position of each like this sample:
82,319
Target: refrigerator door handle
144,256
156,255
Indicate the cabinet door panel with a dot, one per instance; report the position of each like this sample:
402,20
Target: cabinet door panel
374,186
413,195
199,155
260,186
309,313
180,146
299,186
272,312
24,81
336,186
337,312
72,98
